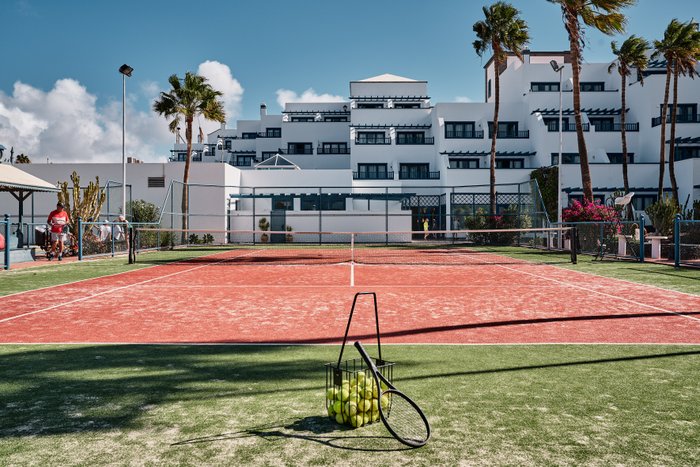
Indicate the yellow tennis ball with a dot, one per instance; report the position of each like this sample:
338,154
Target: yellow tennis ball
340,418
367,393
375,391
337,406
366,405
361,377
357,421
375,405
351,408
331,394
367,418
331,412
385,401
344,395
375,415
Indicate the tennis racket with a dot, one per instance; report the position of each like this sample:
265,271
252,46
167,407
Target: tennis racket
402,417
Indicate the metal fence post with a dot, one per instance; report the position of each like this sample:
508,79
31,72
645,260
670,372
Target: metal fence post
80,239
641,238
113,237
677,241
7,242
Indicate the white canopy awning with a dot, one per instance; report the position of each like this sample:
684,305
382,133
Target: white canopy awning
14,179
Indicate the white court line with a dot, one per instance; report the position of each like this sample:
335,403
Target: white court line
81,299
96,277
313,344
331,286
569,284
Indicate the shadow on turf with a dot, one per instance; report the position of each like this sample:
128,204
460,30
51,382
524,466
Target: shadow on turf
317,429
487,324
671,272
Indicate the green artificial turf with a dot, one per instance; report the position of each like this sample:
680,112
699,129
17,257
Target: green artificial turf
264,405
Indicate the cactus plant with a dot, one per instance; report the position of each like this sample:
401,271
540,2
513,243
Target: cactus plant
78,202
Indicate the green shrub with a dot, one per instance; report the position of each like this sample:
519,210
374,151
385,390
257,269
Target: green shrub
662,214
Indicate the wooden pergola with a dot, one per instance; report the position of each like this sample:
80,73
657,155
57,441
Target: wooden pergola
21,185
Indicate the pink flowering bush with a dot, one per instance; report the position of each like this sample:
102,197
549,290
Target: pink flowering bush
590,212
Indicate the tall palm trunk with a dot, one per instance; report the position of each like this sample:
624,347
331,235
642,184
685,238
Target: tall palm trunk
662,152
672,145
494,135
623,133
574,45
186,180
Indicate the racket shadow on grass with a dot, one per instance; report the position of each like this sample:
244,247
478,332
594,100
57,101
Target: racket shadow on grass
317,429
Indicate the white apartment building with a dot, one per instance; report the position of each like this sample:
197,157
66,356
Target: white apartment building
388,149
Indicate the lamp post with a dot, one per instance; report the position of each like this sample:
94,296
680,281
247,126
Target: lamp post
125,70
558,69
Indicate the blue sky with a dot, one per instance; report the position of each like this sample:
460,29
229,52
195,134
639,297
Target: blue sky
267,46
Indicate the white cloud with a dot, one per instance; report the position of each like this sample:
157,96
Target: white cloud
463,99
221,79
65,124
285,96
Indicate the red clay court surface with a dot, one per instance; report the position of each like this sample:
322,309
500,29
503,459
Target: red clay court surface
213,300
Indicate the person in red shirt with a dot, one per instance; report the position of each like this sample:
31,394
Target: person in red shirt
58,221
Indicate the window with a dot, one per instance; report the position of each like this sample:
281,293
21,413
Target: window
407,105
686,152
268,154
196,156
249,135
326,202
335,119
273,132
616,157
602,124
303,119
367,105
181,156
371,137
510,163
284,203
641,202
245,160
567,158
686,113
488,89
464,163
414,171
505,129
459,130
334,148
156,182
372,171
597,86
410,137
299,148
552,123
227,144
544,87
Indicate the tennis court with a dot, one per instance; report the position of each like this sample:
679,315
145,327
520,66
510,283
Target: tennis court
431,292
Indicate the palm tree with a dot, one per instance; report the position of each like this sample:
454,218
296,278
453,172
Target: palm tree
605,16
501,31
632,54
680,47
23,159
187,99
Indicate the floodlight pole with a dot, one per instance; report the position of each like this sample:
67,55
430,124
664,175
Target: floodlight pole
125,70
555,66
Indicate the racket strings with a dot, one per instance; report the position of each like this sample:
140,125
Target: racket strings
405,419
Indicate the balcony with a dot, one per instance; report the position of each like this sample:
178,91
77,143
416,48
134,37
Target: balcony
373,176
464,134
656,121
419,176
616,127
322,150
271,135
297,151
523,134
373,141
430,140
567,127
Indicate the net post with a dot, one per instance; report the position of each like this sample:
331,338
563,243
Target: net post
80,238
7,241
574,245
641,238
112,240
132,245
677,241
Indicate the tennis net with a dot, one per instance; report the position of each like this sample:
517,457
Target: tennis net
458,247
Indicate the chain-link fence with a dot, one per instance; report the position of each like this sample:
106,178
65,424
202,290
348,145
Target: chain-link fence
686,242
